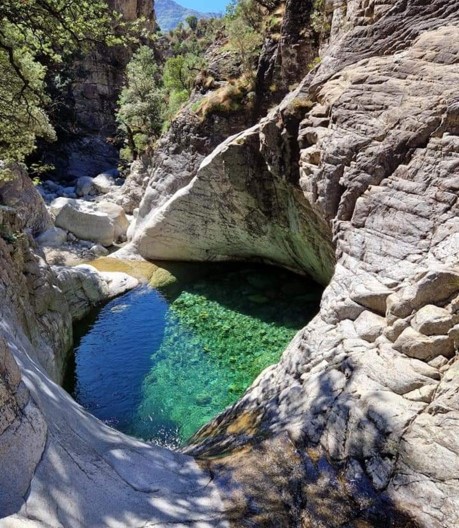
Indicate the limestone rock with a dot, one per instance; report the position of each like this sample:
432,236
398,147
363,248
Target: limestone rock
52,237
84,287
372,295
84,186
419,346
104,182
357,167
18,191
369,326
118,283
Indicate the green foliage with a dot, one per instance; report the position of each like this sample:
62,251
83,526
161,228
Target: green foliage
35,34
151,98
6,175
192,22
180,72
22,95
176,100
319,20
245,41
244,23
142,102
248,12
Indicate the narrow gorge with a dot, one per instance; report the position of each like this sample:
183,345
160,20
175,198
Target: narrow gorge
299,223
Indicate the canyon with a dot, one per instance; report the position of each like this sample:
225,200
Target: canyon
352,178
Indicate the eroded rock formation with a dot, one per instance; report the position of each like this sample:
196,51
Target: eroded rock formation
353,179
359,167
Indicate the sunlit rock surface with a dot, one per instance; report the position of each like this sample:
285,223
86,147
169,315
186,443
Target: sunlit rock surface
357,425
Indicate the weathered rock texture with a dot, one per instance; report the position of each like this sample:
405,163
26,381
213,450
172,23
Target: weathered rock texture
356,174
17,191
101,222
353,179
61,467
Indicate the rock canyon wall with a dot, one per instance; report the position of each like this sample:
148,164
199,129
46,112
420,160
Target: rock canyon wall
353,179
60,466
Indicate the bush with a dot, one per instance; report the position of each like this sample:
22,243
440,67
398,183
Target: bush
142,103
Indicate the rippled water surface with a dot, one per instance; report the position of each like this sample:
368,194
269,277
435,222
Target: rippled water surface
159,365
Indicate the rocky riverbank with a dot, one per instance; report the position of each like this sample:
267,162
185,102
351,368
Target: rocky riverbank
60,465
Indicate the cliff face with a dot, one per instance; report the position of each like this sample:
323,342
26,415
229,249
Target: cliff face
353,179
285,58
101,75
97,79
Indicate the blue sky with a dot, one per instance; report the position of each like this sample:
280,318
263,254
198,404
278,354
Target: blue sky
215,6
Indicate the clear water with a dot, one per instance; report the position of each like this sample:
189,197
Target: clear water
159,365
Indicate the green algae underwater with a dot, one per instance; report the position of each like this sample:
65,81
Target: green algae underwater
159,363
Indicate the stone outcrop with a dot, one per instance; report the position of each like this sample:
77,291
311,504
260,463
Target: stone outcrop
354,180
285,58
17,191
85,146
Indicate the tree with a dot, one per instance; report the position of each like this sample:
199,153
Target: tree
141,103
249,12
180,72
35,34
245,41
192,22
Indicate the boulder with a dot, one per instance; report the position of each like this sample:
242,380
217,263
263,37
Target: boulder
84,186
103,222
53,237
18,191
104,183
118,216
432,320
369,326
419,346
371,294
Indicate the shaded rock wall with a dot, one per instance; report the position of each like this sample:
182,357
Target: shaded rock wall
90,104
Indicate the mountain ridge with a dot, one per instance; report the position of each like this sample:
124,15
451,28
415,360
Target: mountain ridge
170,14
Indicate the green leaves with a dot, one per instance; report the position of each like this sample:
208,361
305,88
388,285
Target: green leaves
151,99
35,34
141,103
